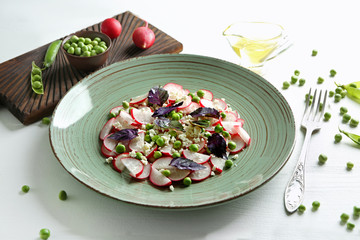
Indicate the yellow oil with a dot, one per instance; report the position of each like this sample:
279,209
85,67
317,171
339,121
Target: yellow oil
254,52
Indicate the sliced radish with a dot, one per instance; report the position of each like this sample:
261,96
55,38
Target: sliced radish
208,94
201,144
137,144
117,162
166,150
210,129
116,110
145,173
109,143
152,151
230,117
218,163
178,174
206,103
244,135
230,127
240,143
134,166
158,179
107,153
139,99
186,102
175,91
196,157
162,163
201,174
142,115
125,120
220,105
106,129
192,107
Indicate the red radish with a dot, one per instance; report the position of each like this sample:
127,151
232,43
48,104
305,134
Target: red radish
126,120
145,174
107,153
152,151
139,99
186,102
142,115
143,37
230,117
116,110
243,134
106,129
110,144
158,179
218,163
192,107
111,27
206,103
220,104
230,127
201,144
137,144
175,173
207,94
117,162
175,91
202,174
196,157
240,144
166,150
134,166
162,163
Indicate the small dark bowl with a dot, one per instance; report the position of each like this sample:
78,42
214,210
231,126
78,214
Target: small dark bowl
88,63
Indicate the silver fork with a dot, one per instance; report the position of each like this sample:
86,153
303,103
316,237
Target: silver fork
311,121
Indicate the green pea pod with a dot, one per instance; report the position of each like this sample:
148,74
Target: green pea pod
353,90
36,79
51,53
355,138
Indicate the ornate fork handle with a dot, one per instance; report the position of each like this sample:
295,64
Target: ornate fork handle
294,192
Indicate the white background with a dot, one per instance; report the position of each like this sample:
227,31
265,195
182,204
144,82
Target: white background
331,27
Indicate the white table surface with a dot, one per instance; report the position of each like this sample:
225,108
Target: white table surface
331,27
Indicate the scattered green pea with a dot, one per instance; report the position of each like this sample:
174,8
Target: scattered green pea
194,147
223,115
228,163
356,211
346,118
338,137
62,195
296,72
187,181
286,85
294,79
173,133
139,155
200,93
120,148
157,154
191,95
160,142
327,116
196,99
314,53
332,73
25,188
218,128
354,122
315,205
322,158
320,80
177,144
147,138
166,172
44,233
301,208
350,226
301,82
176,155
344,217
331,93
349,165
45,120
175,116
343,94
337,97
343,110
231,145
225,134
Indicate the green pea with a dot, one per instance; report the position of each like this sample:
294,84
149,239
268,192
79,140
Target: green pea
343,110
125,104
187,181
66,46
286,85
71,50
301,82
315,205
37,85
84,48
74,39
87,41
207,134
354,122
314,53
45,120
338,90
44,233
180,114
223,115
173,133
81,39
350,226
327,116
177,144
344,217
62,195
343,94
301,208
25,188
139,155
356,211
226,134
353,85
296,72
111,115
332,73
94,43
81,44
36,78
349,165
120,148
228,163
100,50
175,116
191,95
200,93
147,138
194,147
320,80
346,118
331,93
294,79
97,39
157,154
86,54
338,137
102,43
78,51
160,142
90,47
74,45
93,53
155,137
218,128
149,126
196,99
322,158
176,155
337,97
166,172
231,145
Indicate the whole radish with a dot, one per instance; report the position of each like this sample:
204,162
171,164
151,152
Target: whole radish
111,27
143,37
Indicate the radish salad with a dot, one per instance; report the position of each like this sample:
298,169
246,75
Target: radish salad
170,135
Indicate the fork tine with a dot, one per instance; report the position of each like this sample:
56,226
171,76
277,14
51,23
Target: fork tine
307,105
317,110
311,112
324,104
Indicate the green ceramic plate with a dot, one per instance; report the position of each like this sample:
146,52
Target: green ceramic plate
78,118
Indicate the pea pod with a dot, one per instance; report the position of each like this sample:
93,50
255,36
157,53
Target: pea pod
353,90
355,138
51,53
36,79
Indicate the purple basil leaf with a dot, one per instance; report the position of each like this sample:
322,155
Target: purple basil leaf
165,110
124,134
158,96
217,145
205,112
184,163
167,123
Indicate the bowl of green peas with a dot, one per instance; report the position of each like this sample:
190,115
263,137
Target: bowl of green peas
87,50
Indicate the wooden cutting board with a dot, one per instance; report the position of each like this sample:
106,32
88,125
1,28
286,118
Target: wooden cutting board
15,88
